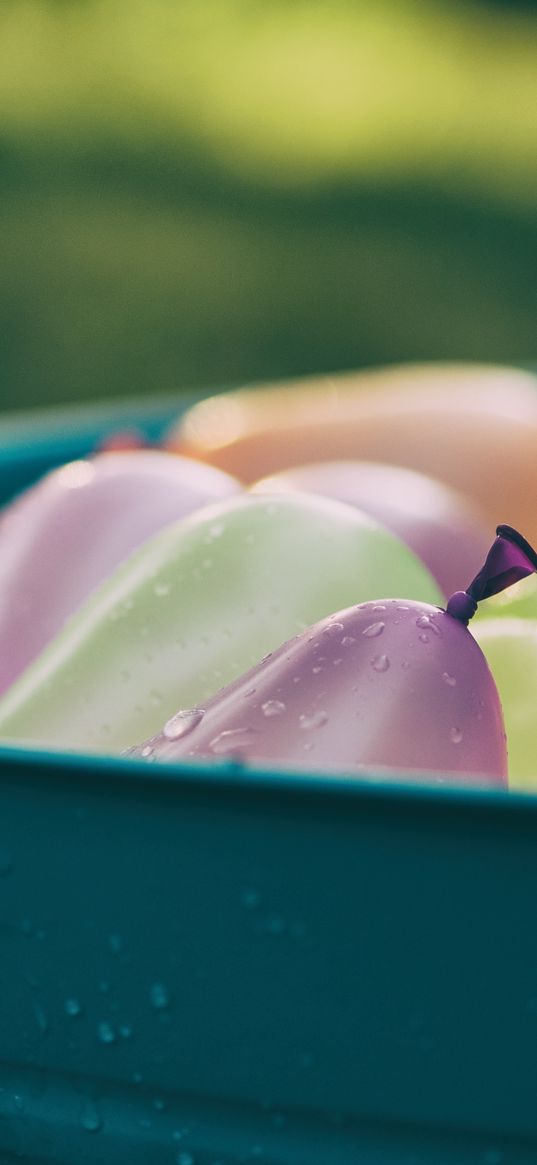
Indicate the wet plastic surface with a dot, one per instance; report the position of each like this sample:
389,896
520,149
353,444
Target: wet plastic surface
204,967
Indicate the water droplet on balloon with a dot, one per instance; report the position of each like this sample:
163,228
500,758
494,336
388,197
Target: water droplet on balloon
374,630
90,1119
380,663
159,996
315,720
348,641
182,723
423,637
401,607
316,670
455,735
333,629
427,623
273,707
148,752
161,589
231,740
378,607
405,664
217,529
449,680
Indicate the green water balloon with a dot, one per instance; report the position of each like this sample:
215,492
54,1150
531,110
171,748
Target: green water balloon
195,607
518,602
510,648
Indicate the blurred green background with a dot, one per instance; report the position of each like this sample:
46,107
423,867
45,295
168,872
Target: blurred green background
202,192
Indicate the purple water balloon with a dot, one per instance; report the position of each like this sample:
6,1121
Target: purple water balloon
445,529
394,684
63,536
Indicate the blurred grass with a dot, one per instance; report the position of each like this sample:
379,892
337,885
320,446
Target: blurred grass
219,190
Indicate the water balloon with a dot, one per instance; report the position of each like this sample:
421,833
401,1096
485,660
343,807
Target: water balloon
197,605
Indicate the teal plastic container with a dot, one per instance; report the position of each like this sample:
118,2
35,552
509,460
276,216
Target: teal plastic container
204,966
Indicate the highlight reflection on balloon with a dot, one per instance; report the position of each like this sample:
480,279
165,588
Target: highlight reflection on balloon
196,606
471,426
440,525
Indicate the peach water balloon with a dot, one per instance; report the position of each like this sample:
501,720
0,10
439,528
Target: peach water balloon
471,426
439,524
392,684
63,536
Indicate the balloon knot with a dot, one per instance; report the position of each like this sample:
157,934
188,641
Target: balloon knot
462,606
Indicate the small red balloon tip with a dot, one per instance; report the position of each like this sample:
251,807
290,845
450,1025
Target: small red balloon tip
509,559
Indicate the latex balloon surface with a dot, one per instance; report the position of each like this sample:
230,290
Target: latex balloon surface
510,646
439,524
66,534
471,426
395,684
196,606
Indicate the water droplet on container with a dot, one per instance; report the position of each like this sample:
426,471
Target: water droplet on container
161,589
231,740
72,1007
250,899
106,1033
159,996
374,630
41,1018
185,1158
90,1119
455,735
19,1102
183,722
449,680
273,707
380,663
6,861
125,1031
159,1104
155,697
314,720
115,943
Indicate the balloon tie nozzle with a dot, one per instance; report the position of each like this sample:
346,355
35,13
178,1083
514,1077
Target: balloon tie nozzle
462,606
509,559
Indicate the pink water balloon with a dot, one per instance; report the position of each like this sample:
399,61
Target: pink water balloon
63,536
397,685
446,530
